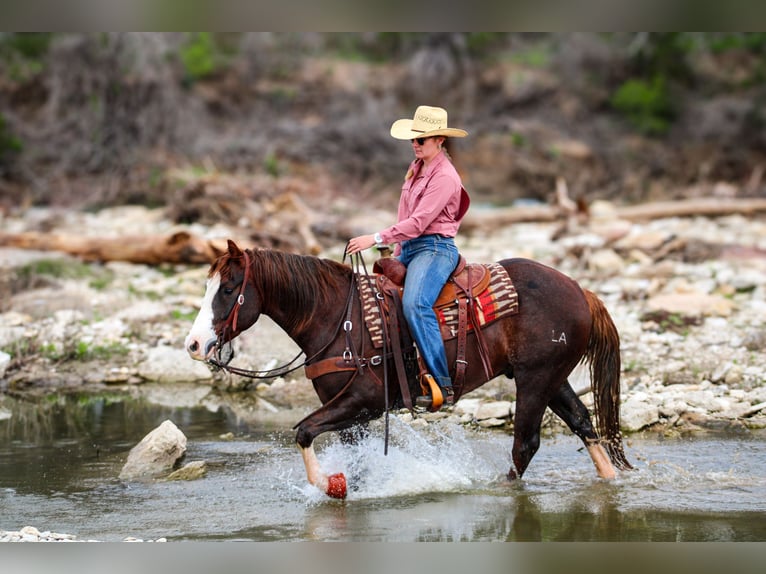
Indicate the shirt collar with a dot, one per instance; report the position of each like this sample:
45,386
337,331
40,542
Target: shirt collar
435,163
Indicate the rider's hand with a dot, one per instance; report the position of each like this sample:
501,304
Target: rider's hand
357,244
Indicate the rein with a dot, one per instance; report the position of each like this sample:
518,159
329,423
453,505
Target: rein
350,354
288,367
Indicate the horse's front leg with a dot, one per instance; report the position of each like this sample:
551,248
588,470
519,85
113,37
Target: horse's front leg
333,485
347,410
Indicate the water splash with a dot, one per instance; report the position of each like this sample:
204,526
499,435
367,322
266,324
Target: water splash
436,459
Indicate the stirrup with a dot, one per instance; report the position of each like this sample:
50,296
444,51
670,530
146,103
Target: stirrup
434,397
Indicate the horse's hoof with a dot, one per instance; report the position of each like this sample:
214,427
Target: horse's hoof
512,475
336,486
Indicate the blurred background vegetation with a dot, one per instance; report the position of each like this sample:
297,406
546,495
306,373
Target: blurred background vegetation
91,120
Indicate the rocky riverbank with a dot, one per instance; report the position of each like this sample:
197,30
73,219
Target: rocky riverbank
688,296
32,534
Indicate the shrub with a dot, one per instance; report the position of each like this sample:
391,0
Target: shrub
9,143
646,105
198,56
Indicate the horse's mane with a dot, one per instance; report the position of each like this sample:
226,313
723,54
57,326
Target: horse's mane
302,284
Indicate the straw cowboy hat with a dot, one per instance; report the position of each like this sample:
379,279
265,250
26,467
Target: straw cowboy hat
427,122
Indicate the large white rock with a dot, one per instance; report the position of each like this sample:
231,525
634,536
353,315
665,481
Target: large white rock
5,360
638,412
691,304
493,410
165,364
157,452
467,407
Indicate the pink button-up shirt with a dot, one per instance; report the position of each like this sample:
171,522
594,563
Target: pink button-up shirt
433,201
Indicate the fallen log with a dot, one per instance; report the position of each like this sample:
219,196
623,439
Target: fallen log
178,247
498,217
706,207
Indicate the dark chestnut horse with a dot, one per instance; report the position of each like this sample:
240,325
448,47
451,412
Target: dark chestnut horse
558,324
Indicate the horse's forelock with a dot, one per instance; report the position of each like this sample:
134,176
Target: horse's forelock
221,266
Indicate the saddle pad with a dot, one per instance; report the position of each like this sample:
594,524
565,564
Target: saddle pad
498,300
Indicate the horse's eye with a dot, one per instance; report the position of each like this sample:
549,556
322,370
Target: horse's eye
228,290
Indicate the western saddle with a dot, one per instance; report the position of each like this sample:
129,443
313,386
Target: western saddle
466,283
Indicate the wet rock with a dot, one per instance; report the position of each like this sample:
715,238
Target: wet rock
672,407
493,410
638,412
157,452
32,534
190,471
5,360
491,422
467,407
166,364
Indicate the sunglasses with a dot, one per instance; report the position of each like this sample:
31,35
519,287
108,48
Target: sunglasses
420,141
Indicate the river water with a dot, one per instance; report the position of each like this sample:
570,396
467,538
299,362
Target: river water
60,458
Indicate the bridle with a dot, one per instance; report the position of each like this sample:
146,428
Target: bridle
230,325
345,324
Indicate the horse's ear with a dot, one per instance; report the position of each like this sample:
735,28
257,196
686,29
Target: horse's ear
234,251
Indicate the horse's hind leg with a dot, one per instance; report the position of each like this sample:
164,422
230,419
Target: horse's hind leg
570,409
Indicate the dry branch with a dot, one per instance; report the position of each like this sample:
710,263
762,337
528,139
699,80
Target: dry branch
492,219
691,207
179,247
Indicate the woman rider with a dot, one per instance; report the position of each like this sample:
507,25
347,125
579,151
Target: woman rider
431,206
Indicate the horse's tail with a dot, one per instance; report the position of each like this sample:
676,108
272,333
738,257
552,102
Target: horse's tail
603,355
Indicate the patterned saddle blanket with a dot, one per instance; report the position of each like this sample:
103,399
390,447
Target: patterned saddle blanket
494,296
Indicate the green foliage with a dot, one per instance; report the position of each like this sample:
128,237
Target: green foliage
518,140
99,278
752,42
31,348
537,56
646,105
22,54
198,56
32,45
482,43
82,351
667,321
9,143
186,317
271,165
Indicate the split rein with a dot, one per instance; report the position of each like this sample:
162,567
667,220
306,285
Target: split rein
289,367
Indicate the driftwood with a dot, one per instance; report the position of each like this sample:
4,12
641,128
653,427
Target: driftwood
688,208
708,207
179,247
186,248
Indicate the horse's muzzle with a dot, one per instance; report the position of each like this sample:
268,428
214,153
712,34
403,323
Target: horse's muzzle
199,352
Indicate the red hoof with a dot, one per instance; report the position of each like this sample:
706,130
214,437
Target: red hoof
336,485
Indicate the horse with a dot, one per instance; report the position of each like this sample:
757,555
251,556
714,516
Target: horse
558,325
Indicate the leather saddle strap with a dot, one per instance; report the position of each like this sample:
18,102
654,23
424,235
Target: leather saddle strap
327,366
460,362
396,333
480,343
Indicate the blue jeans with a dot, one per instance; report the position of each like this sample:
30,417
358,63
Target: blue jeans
430,260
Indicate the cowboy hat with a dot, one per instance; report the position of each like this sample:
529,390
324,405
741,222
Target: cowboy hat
427,122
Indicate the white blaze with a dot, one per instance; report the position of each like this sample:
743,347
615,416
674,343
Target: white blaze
202,333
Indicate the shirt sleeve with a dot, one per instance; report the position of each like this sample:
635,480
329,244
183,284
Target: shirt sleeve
433,199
